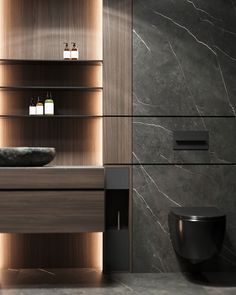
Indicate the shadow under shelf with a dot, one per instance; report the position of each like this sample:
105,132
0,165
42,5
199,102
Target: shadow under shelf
48,62
51,116
10,88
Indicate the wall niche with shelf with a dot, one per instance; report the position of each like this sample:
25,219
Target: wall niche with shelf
67,102
31,49
76,128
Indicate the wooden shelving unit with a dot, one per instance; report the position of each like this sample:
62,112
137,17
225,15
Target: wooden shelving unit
31,65
76,139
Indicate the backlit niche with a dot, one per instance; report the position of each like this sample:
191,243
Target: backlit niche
33,32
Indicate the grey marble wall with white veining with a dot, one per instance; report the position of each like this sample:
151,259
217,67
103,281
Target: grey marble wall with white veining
157,188
153,140
184,78
184,57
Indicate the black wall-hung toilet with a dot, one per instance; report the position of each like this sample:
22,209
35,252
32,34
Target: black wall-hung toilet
197,233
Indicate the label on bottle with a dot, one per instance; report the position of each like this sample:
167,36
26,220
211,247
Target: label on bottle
32,110
49,108
74,54
66,54
39,110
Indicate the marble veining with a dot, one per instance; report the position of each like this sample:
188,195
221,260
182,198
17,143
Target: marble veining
184,73
184,58
153,140
194,185
71,282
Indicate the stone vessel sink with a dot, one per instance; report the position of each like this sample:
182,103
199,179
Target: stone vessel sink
26,156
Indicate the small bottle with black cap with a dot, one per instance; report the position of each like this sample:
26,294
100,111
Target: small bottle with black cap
74,52
66,53
39,107
32,107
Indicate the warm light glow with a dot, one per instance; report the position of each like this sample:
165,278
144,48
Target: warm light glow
99,142
96,40
99,49
1,27
1,56
97,35
1,101
1,251
98,251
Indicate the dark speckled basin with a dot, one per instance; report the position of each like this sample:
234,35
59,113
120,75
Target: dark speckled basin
26,156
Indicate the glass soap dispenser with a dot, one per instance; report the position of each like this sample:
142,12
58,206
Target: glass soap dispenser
74,52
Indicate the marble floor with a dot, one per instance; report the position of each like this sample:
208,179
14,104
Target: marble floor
88,281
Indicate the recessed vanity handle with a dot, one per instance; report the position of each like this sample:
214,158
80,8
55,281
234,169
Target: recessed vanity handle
191,140
118,220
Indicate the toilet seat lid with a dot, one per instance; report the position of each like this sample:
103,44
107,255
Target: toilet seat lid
197,213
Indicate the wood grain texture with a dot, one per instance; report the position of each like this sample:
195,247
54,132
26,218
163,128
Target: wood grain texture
77,141
52,178
117,140
57,75
117,84
36,29
117,43
51,211
80,250
66,102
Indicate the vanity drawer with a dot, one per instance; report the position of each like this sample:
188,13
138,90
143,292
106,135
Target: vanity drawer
155,140
57,177
51,211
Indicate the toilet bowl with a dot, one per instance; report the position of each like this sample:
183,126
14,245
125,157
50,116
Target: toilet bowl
197,233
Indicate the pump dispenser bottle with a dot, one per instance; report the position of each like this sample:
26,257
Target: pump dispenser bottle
49,105
32,108
74,52
66,53
39,107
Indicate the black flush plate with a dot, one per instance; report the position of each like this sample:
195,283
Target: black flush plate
191,140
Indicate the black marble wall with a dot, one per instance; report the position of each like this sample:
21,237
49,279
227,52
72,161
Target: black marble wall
184,78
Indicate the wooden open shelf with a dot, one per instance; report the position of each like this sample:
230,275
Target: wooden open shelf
52,76
78,88
77,142
49,62
77,103
50,116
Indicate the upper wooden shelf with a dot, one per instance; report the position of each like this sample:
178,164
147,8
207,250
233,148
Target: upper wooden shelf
48,61
79,88
52,116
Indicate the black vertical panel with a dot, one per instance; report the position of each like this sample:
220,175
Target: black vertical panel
116,235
